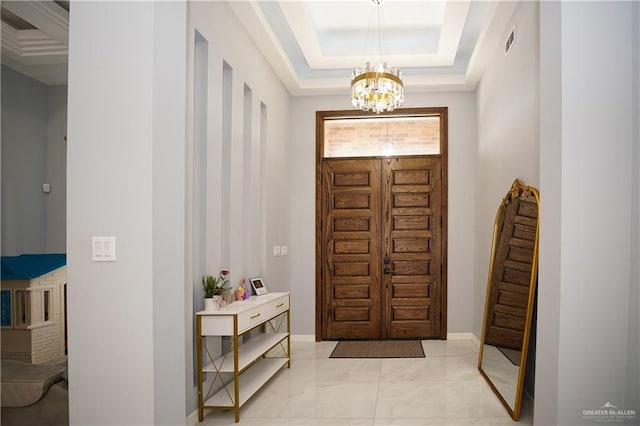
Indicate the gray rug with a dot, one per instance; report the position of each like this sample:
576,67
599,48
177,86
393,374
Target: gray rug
34,394
24,384
378,349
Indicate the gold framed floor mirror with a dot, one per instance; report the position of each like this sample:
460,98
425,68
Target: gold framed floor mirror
510,295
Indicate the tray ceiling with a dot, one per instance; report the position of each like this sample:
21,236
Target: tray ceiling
313,45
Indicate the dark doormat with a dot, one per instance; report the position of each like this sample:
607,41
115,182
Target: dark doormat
378,349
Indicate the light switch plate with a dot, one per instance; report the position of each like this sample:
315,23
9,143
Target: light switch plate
277,251
285,250
103,249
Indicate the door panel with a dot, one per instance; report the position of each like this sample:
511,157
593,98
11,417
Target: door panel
351,245
381,253
411,213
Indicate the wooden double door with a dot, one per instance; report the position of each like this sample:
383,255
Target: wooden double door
382,244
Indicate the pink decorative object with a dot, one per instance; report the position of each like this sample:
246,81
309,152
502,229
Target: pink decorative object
241,292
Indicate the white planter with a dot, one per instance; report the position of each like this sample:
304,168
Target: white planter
212,303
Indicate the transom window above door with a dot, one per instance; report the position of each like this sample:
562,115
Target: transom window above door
382,136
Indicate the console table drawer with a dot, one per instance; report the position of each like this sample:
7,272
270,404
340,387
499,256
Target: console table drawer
252,317
249,313
217,325
279,306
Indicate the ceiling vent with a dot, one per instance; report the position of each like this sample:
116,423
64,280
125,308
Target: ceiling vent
510,40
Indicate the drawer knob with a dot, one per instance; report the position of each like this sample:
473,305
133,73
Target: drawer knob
255,316
279,305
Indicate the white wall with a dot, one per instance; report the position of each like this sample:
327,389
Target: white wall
462,123
595,266
548,315
633,352
34,123
589,160
125,166
508,126
268,172
24,151
168,200
56,175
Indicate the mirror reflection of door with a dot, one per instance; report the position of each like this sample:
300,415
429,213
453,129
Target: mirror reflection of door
511,276
382,247
510,295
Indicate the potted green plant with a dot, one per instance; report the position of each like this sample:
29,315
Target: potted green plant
214,287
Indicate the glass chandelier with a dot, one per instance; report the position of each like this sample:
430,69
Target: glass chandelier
377,88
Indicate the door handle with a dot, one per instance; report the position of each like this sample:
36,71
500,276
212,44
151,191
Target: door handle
387,262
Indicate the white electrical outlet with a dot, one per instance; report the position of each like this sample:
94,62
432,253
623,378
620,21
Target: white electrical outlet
285,250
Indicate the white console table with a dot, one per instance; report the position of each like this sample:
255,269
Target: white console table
243,368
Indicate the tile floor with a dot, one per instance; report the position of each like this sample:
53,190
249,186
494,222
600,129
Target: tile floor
445,388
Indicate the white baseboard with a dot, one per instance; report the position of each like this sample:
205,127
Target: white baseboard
303,337
450,336
475,340
192,419
464,336
459,336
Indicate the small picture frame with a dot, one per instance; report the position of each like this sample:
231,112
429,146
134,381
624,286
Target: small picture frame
258,286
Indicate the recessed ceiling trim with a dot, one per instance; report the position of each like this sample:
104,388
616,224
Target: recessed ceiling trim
10,40
48,17
255,23
14,20
275,39
490,37
49,74
303,27
40,53
32,47
455,17
418,84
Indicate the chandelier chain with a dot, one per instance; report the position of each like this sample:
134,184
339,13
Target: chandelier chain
378,87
